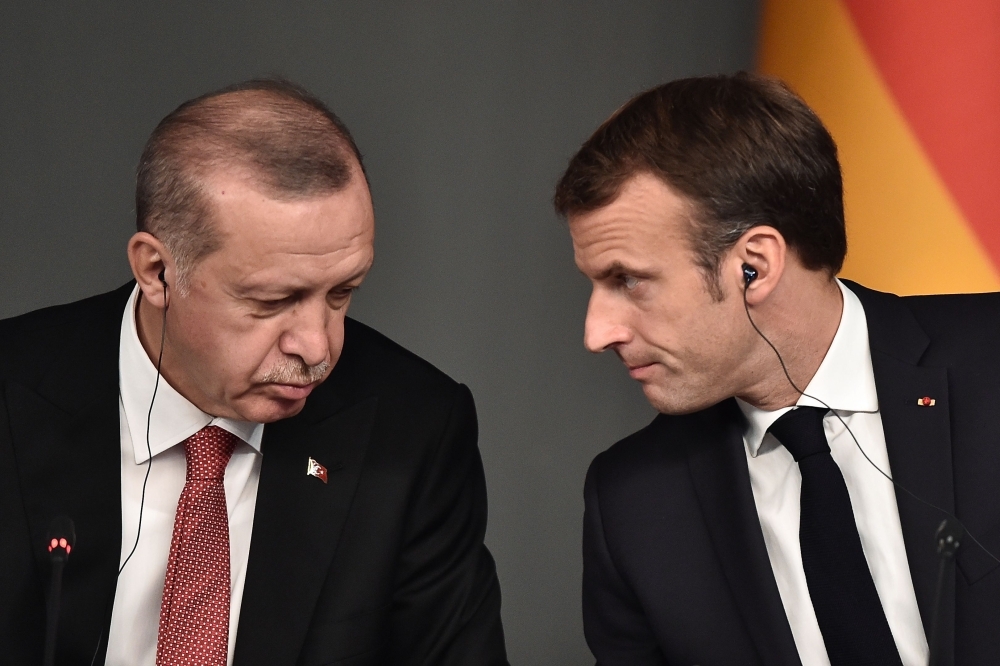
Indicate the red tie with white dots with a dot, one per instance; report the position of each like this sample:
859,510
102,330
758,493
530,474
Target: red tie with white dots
194,612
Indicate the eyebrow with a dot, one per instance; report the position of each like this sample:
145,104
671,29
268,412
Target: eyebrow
262,291
617,268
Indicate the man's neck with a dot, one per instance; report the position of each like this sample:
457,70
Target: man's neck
151,326
801,324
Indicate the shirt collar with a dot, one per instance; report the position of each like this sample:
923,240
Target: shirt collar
845,380
174,418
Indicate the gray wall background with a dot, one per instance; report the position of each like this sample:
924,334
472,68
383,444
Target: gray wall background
466,113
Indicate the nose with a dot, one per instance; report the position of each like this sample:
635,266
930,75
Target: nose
605,326
307,337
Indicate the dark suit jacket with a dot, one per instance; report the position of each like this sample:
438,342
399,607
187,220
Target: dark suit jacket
675,567
385,564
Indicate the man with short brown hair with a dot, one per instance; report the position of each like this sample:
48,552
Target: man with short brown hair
254,477
754,520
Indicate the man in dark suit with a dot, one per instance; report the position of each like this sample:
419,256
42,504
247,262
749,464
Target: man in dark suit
754,520
253,477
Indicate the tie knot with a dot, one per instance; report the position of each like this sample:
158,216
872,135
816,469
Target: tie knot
208,452
801,431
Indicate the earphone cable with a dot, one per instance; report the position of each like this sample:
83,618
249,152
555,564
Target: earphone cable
784,369
149,461
149,417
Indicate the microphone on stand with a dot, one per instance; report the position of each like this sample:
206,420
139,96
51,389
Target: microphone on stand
948,537
61,539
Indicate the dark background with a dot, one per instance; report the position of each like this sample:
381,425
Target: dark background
466,114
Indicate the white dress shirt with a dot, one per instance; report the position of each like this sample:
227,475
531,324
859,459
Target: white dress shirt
136,614
846,382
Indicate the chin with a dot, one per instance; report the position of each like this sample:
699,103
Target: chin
271,410
674,402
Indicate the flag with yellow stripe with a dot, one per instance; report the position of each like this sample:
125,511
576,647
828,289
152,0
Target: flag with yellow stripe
910,90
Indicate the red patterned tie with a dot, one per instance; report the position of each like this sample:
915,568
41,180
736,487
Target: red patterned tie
194,613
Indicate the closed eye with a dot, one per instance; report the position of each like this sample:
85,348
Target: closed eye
339,297
270,306
336,299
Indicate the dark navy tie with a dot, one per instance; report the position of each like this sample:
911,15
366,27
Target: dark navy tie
843,593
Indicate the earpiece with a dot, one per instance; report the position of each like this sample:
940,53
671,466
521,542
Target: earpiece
163,281
749,274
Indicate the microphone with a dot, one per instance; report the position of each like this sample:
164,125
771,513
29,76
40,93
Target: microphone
61,539
948,537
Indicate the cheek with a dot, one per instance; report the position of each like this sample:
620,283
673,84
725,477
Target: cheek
667,327
335,337
721,346
240,351
264,346
697,337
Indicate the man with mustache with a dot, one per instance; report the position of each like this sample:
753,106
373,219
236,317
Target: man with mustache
254,477
753,521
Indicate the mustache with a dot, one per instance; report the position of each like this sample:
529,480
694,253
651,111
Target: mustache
294,371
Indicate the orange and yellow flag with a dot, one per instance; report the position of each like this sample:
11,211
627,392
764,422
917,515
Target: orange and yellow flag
910,90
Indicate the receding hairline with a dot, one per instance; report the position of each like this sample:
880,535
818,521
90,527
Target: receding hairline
272,134
223,116
238,169
213,176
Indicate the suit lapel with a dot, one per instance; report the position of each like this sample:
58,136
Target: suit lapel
298,522
918,440
65,434
718,466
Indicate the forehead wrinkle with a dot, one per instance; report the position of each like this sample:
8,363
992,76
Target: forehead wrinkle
641,226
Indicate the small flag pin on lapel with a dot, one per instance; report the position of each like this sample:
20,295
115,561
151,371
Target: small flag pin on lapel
926,402
317,470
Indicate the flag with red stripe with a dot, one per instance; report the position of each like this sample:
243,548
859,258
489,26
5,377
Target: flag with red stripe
910,90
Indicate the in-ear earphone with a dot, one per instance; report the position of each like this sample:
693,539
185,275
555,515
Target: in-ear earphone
749,274
166,304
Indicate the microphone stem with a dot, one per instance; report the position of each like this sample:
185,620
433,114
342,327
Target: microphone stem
52,616
934,657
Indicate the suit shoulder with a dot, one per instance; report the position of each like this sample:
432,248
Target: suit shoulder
954,327
56,316
962,307
392,367
47,332
661,449
659,444
959,324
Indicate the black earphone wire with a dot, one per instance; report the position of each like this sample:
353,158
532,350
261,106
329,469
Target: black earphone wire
149,460
949,514
149,417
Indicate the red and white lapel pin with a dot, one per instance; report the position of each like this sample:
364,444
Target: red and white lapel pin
317,470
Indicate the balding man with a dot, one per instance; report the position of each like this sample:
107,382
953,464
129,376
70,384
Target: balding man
254,477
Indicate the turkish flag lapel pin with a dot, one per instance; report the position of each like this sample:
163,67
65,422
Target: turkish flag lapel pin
317,470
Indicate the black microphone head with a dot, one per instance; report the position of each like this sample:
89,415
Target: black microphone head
61,537
949,537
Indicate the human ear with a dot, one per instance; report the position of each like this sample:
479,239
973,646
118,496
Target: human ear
149,258
758,262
